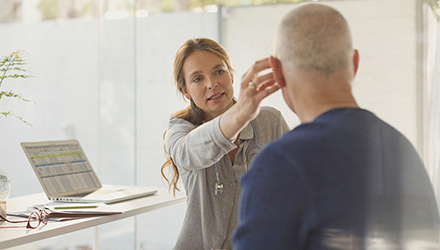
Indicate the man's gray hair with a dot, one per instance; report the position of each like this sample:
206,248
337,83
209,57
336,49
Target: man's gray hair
314,37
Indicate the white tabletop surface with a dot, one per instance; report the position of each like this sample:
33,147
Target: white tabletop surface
10,237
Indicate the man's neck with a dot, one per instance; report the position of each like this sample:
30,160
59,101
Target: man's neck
313,94
315,104
311,116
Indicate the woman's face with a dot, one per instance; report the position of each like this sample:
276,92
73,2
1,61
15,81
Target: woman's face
208,83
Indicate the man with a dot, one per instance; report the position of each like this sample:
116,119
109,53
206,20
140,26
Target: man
343,179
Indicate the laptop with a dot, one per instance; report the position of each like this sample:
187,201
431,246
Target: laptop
67,176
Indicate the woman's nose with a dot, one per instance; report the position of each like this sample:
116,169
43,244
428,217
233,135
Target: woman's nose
212,84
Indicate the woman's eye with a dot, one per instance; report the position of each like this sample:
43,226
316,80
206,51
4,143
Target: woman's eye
196,79
221,71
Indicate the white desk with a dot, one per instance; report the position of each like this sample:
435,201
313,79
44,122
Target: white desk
10,237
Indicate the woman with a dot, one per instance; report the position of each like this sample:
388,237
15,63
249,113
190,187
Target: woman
211,142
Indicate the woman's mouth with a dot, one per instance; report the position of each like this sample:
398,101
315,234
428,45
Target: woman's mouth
213,97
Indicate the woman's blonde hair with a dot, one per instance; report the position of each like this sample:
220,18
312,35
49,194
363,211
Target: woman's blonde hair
192,113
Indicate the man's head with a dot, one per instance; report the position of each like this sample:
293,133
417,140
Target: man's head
314,37
314,57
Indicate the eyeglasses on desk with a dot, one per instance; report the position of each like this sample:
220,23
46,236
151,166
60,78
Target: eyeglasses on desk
35,219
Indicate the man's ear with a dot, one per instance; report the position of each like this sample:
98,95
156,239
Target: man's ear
355,62
277,71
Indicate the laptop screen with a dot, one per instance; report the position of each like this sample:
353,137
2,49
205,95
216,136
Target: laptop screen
61,167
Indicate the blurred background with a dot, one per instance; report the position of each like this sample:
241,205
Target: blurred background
103,76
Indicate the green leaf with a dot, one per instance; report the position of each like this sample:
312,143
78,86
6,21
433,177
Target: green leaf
12,62
14,76
16,116
13,95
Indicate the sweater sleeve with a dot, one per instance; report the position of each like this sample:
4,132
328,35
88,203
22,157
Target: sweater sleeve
193,147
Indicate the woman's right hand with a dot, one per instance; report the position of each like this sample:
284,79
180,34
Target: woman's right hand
248,106
251,97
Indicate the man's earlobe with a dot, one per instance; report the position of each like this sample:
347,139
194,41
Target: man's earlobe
277,71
